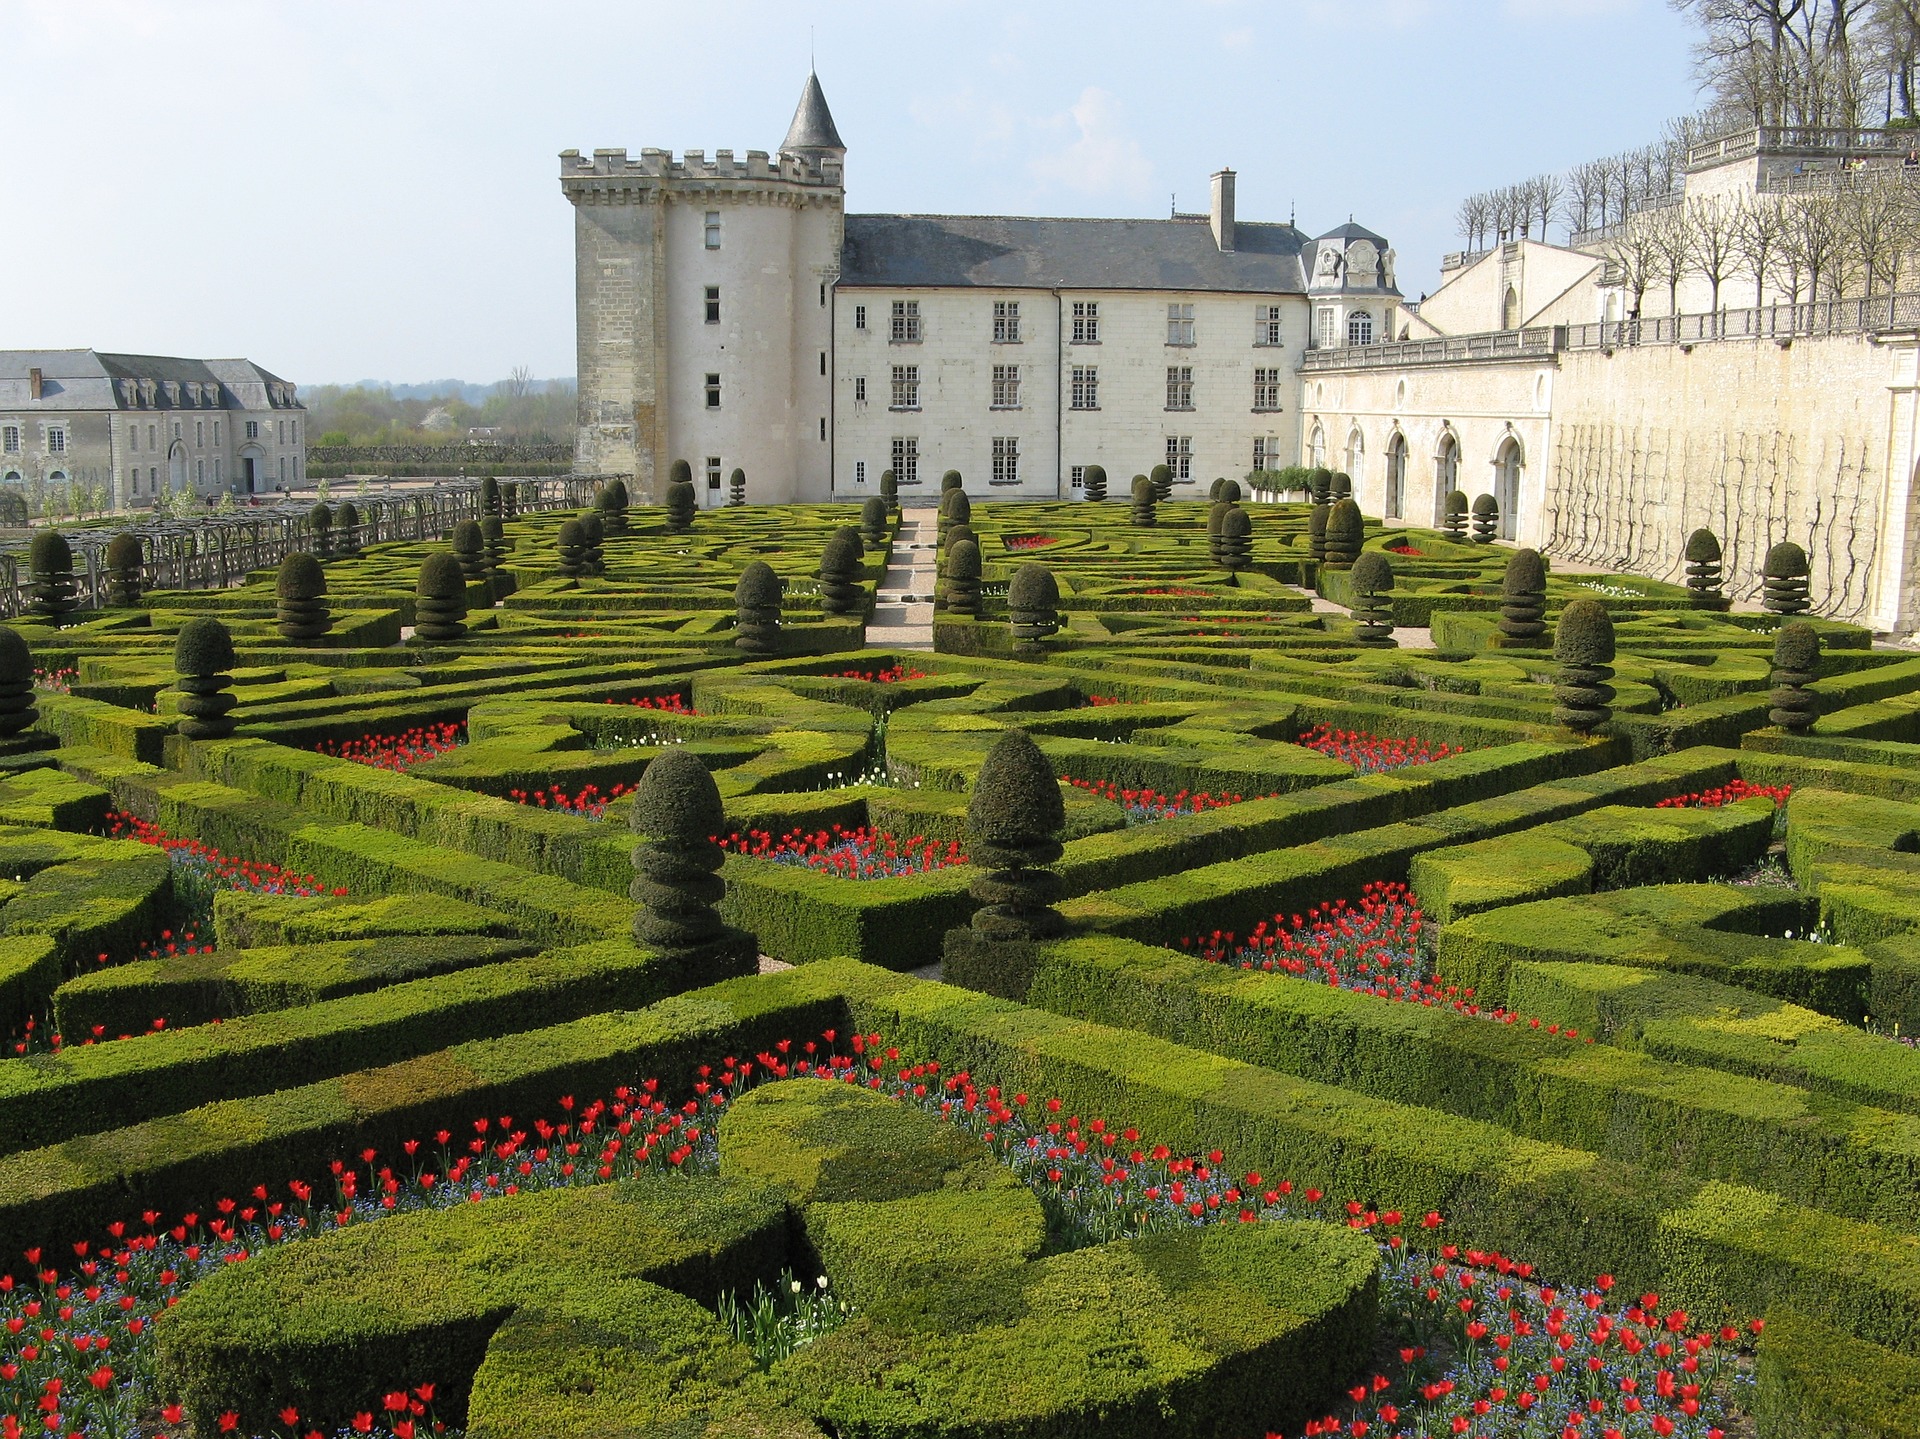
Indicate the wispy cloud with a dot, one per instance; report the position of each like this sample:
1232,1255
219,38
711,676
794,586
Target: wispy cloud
1105,159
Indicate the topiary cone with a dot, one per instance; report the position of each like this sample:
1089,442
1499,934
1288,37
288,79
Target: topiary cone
677,883
962,572
1705,575
1143,502
470,549
1345,529
1372,582
873,521
1583,645
203,660
1486,519
50,563
495,534
573,549
300,590
17,709
1216,512
1523,598
346,527
841,591
490,497
1014,818
596,533
890,491
756,601
611,503
1033,607
440,599
682,504
1796,660
1784,588
1236,539
737,488
320,517
1455,523
124,570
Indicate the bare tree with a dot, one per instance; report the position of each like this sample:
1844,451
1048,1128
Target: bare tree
1783,62
519,382
1584,188
1893,42
1633,258
1546,192
1811,242
1758,231
1670,233
1715,246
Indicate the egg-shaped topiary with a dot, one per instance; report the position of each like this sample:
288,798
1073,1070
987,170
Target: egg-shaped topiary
1340,487
571,541
1093,483
125,570
1346,528
203,660
1213,490
890,490
955,509
1231,492
440,599
680,472
1144,502
300,589
950,481
1216,512
1317,530
756,602
677,882
50,563
1455,510
346,528
1784,587
1014,819
957,533
737,488
494,533
1583,646
320,521
841,590
1796,660
1523,598
470,549
1705,572
17,709
874,521
596,533
1372,584
1486,519
611,503
682,504
1033,606
1320,484
962,573
1162,477
1236,539
490,496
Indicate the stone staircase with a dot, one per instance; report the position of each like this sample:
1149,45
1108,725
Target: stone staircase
903,605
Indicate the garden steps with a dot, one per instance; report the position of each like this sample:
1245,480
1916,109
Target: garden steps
903,603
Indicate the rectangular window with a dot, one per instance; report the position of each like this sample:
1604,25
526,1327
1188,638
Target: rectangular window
153,479
1266,389
1179,324
199,434
1323,319
1086,322
859,389
713,472
56,441
134,475
1180,456
906,322
1006,459
283,469
10,439
906,387
279,430
906,460
1006,322
859,317
823,429
253,432
216,433
153,443
713,391
1006,387
1266,324
823,294
1078,477
216,469
133,438
859,472
199,472
1179,387
823,362
176,429
713,229
1086,387
713,304
1266,453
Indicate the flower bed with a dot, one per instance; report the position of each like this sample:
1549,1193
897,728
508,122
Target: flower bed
199,869
1144,806
1029,542
1371,753
398,752
1403,550
1733,791
893,675
588,802
58,682
672,704
848,853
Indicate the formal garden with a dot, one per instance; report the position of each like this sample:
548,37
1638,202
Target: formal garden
1260,973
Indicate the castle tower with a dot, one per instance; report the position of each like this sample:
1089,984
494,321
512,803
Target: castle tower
702,291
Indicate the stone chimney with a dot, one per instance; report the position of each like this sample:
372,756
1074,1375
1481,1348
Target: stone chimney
1223,210
33,382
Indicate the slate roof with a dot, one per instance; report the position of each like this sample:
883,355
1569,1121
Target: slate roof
1011,252
84,379
812,127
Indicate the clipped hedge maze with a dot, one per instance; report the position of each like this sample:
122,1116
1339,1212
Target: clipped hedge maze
1360,928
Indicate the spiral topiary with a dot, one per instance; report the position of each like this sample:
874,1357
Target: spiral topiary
611,503
572,543
1162,477
1345,530
841,592
1317,531
300,591
346,527
1372,582
890,491
1523,598
1033,606
1320,484
1093,483
320,521
596,534
1216,512
1143,502
1705,575
440,599
1236,540
681,505
124,570
756,603
677,883
495,534
1486,519
1784,588
1340,487
955,509
203,663
50,562
1014,819
17,709
1583,646
1796,659
949,482
873,522
490,497
1455,523
470,549
962,572
737,488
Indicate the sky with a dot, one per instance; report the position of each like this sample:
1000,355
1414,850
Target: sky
340,190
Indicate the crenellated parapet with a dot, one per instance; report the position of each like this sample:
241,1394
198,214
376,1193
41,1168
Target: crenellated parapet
614,176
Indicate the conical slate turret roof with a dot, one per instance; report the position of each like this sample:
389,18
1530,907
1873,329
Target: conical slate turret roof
812,127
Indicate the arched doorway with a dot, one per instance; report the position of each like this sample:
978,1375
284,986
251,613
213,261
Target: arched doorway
1317,448
1396,498
1507,465
253,476
177,466
1510,310
1446,474
1356,458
